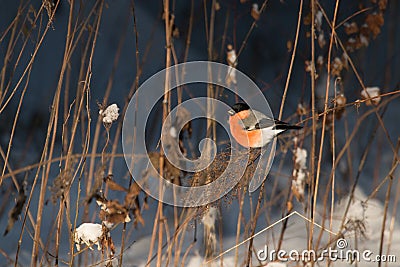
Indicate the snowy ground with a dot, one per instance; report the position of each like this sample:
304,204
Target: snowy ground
369,214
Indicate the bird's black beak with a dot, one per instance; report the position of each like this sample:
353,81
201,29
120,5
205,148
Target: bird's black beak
231,112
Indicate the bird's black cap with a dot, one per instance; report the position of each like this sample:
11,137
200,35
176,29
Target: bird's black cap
237,108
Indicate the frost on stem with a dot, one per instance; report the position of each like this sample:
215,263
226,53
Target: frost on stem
210,237
89,234
340,101
320,61
318,24
318,19
356,211
337,66
210,217
231,58
356,217
372,94
299,173
110,114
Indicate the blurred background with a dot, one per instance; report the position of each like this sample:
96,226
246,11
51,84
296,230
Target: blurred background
63,61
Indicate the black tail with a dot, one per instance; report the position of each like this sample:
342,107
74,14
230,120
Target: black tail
280,125
288,127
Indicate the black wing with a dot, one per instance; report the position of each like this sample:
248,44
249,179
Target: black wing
278,125
265,123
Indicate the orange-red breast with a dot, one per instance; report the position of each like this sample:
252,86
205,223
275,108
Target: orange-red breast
251,128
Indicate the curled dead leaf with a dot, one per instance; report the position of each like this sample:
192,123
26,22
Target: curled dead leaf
113,212
16,211
289,206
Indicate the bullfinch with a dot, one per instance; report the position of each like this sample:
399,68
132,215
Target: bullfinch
251,128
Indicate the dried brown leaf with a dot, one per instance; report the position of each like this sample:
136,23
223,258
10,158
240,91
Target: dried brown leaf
132,196
375,22
138,217
113,212
382,4
16,211
307,19
171,173
289,206
350,28
113,185
255,13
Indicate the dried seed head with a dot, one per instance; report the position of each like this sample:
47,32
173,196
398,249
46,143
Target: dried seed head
341,100
110,114
350,28
255,13
372,94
